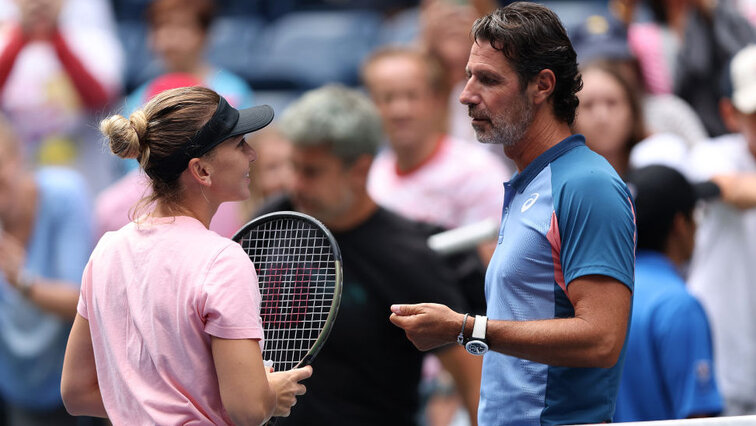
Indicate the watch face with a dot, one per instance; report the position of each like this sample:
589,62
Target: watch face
476,347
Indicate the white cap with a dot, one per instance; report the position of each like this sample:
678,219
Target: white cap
743,75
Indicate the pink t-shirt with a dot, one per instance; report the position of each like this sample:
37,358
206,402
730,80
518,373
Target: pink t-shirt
154,293
460,184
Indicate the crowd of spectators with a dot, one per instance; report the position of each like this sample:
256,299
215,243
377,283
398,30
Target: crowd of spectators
660,87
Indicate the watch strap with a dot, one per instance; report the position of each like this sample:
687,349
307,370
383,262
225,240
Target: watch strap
479,327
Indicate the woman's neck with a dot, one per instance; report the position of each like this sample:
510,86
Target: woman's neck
202,211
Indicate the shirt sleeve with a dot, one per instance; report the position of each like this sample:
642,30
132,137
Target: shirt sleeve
86,292
596,222
230,300
684,347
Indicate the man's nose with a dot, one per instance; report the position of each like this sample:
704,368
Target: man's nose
469,96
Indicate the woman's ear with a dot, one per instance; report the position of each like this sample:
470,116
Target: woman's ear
200,171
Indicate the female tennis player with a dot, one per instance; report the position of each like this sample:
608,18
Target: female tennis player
168,328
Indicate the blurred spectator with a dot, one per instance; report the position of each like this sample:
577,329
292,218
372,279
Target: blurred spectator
60,63
44,244
723,271
669,372
425,174
445,34
272,173
604,38
609,114
178,31
114,205
611,118
368,373
686,47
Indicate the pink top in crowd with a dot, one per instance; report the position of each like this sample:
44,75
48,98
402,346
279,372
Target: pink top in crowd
460,184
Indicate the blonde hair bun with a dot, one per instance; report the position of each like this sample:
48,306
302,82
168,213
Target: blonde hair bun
124,134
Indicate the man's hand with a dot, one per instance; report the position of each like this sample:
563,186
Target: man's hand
427,325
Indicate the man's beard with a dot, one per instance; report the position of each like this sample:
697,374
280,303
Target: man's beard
509,127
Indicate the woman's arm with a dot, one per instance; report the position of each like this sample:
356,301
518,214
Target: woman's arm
79,386
250,395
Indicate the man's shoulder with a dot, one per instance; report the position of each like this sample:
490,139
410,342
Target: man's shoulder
583,171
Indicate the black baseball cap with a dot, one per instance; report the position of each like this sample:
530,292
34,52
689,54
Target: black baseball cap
225,123
660,192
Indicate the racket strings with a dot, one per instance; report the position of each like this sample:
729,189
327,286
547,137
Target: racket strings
296,273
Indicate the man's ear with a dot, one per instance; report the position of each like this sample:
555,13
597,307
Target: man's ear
200,171
543,85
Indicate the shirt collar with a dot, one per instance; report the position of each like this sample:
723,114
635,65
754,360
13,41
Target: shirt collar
522,179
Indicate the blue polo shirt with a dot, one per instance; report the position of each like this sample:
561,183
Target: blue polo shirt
565,216
669,372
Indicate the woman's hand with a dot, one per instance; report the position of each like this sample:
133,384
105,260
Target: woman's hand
287,387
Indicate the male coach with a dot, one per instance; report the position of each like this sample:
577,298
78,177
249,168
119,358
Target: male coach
559,285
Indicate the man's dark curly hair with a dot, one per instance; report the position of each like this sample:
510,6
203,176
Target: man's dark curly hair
532,39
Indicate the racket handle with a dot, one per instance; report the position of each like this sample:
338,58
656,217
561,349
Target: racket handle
268,363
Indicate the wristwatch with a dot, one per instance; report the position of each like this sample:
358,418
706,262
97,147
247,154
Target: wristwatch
477,344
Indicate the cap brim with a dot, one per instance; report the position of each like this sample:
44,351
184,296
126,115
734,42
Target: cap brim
252,119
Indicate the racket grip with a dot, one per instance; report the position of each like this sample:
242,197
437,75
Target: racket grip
268,363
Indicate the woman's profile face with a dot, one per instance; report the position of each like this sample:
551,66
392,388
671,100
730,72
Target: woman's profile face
604,114
230,162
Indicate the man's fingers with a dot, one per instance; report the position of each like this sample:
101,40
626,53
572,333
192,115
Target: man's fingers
403,310
397,320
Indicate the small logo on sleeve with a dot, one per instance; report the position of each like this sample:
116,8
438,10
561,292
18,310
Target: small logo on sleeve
703,371
529,202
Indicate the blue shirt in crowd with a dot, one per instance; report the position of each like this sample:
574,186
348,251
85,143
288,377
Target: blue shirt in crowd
33,342
669,370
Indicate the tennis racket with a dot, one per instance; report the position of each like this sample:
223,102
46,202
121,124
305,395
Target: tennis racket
298,266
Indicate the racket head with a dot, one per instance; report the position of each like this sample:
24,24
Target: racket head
298,265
